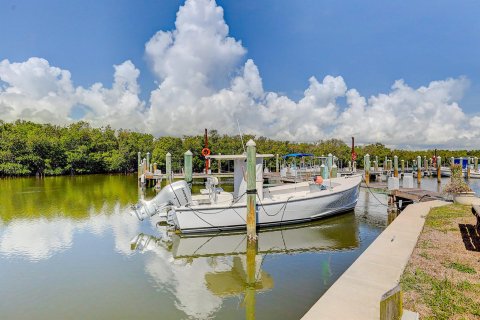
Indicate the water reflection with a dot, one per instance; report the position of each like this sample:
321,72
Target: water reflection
203,270
71,237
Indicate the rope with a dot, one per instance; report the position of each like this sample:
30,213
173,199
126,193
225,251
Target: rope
368,188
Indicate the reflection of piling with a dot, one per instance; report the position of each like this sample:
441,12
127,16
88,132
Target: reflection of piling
251,280
419,169
251,191
366,163
187,156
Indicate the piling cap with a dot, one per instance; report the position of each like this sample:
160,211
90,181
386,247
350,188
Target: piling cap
251,143
188,153
168,154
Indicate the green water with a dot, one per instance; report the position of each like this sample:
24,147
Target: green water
70,250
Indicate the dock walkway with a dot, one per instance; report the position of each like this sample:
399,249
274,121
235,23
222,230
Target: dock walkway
357,293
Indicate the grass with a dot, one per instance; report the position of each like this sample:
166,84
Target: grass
445,298
460,267
440,218
441,279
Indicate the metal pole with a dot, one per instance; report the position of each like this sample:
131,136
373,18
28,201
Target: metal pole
187,158
251,191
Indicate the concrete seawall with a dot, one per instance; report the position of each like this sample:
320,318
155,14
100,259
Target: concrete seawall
356,294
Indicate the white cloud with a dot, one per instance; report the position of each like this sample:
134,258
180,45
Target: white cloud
34,90
203,84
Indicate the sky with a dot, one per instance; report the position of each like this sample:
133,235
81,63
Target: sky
403,73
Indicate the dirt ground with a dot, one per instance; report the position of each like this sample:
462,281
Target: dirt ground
442,278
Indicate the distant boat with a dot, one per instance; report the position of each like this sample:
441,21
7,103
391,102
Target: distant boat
217,210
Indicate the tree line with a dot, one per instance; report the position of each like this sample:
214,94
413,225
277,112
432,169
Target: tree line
28,148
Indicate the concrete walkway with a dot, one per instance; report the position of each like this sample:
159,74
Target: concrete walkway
356,294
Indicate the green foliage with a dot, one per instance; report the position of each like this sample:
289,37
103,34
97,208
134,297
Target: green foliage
457,184
28,148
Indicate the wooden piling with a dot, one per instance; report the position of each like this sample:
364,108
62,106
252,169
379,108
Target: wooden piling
168,167
148,161
330,164
324,171
391,306
219,165
154,167
187,158
251,191
366,164
419,169
334,170
439,169
277,164
395,166
403,166
475,164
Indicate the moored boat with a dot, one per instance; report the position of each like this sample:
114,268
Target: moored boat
216,210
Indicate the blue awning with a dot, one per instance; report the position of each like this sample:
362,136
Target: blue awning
297,155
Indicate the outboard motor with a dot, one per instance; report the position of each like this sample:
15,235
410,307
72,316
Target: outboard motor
175,194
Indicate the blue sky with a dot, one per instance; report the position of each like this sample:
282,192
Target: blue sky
369,44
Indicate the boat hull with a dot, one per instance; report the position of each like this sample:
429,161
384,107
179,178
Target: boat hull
269,213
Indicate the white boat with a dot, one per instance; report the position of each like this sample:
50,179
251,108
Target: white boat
217,210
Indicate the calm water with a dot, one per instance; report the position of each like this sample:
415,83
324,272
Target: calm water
70,250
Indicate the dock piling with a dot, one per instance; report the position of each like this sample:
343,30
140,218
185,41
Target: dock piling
187,158
168,167
330,164
277,164
395,166
439,169
366,164
251,191
419,169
